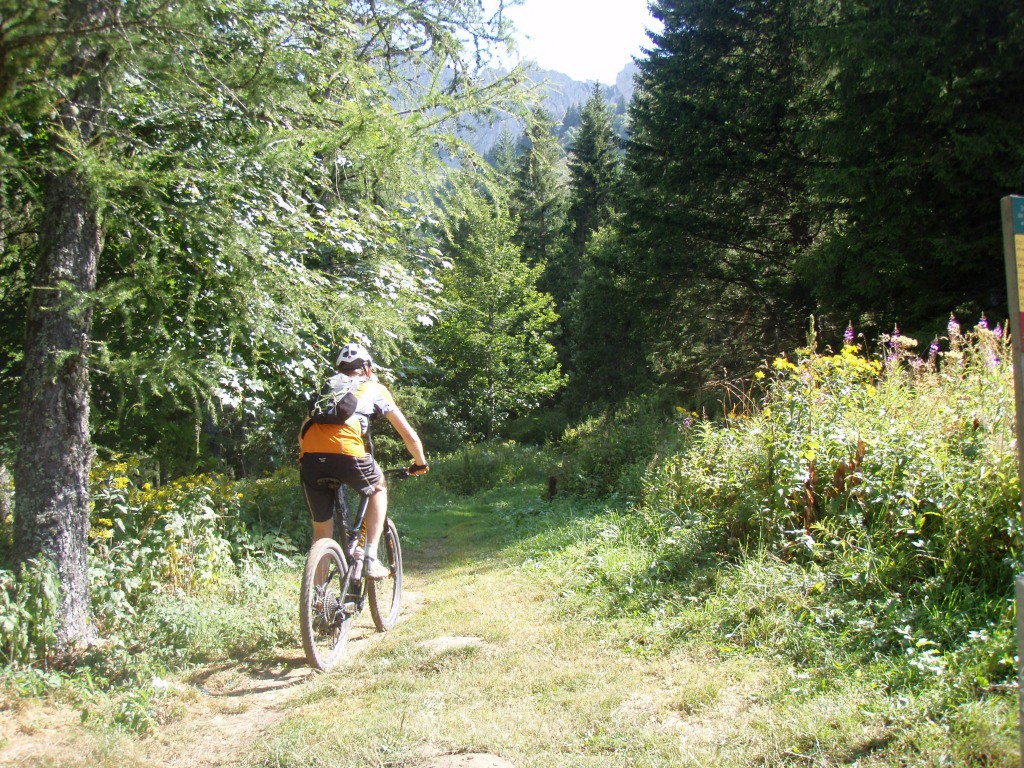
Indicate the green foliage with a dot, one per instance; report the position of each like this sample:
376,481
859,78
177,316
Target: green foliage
915,141
604,339
269,179
541,427
538,198
858,516
28,611
792,157
491,346
247,614
481,467
202,569
609,452
593,176
916,467
716,204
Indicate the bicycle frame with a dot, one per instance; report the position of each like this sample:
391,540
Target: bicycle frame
350,534
333,590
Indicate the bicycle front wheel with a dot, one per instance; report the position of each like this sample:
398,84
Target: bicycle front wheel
325,614
385,595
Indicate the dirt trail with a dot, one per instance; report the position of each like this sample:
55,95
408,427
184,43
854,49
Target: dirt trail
239,704
491,667
229,706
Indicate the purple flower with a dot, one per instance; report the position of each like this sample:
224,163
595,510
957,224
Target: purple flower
952,327
933,350
848,336
983,323
998,332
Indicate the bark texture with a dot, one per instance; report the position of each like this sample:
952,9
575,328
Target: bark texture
55,453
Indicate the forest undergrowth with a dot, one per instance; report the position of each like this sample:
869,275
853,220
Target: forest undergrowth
854,517
852,520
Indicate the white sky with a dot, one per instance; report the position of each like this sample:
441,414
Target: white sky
585,39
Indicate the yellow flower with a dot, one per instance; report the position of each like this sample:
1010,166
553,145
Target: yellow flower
759,375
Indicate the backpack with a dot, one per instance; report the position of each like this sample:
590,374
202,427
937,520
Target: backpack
335,402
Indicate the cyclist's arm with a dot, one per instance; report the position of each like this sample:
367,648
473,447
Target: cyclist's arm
408,435
302,427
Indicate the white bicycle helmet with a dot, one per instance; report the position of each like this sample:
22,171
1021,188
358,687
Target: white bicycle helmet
352,357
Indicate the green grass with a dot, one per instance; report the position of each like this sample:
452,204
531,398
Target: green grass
564,665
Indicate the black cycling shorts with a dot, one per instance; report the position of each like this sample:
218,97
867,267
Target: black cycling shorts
359,473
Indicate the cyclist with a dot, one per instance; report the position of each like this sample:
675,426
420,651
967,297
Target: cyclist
340,451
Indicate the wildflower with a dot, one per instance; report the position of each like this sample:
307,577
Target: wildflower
894,345
759,375
933,350
998,332
848,336
952,327
983,323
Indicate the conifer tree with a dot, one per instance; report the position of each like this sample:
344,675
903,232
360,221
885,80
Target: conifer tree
538,198
918,136
717,208
504,156
492,342
593,177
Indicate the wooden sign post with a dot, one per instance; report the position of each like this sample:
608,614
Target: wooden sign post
1013,249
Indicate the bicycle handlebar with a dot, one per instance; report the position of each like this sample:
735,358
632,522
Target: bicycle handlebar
399,472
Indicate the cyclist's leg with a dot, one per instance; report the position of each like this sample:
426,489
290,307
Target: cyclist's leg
376,514
320,501
364,475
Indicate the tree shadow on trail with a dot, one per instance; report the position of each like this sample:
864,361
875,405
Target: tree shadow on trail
239,678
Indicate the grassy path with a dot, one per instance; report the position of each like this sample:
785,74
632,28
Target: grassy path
485,668
487,665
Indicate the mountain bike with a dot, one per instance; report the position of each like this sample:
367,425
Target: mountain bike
334,591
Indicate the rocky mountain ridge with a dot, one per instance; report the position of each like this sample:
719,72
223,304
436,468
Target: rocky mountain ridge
563,98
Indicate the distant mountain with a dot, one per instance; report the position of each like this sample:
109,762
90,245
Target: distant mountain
563,98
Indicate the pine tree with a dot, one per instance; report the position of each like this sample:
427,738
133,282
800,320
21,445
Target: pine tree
504,157
538,197
593,176
717,210
492,342
919,136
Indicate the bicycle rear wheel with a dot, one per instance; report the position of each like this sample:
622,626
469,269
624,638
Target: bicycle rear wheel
385,596
325,616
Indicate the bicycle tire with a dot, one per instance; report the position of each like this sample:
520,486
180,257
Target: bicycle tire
385,596
323,620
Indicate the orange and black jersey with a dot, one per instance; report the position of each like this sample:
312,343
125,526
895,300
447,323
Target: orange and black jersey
372,399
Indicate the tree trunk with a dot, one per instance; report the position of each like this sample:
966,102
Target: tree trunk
55,454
